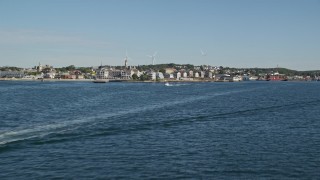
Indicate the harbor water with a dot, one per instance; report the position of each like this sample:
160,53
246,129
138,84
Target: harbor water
85,130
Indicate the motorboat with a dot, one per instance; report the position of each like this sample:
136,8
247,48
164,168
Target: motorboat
100,80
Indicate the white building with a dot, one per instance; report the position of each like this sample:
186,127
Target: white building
102,73
11,74
196,75
160,75
178,75
190,73
202,73
120,74
49,75
185,75
169,76
152,75
137,72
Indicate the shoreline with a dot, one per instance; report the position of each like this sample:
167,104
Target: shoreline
129,81
91,80
47,80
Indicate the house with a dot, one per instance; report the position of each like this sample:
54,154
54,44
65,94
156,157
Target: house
202,73
11,74
169,76
190,73
178,75
196,75
152,75
159,75
102,73
184,74
49,75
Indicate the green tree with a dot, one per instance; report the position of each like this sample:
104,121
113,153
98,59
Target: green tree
163,71
135,77
70,68
144,77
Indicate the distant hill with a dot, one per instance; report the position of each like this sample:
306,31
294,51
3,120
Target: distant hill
218,69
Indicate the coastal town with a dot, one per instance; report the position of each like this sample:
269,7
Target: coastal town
160,72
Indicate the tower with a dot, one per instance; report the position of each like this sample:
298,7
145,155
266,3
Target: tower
39,69
126,62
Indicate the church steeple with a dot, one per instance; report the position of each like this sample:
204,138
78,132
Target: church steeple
126,62
39,68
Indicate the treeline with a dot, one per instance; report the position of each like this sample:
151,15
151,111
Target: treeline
10,68
73,68
285,71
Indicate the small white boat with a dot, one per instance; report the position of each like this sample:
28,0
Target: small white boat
253,78
167,84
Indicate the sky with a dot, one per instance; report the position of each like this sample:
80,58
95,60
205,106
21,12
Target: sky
232,33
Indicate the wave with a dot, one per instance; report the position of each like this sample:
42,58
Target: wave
177,84
70,126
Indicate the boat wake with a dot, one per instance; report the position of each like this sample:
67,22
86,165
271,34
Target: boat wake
71,126
176,84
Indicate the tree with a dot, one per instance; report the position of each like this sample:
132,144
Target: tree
144,77
85,69
163,71
70,68
135,77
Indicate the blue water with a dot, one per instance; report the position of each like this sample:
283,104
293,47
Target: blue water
83,130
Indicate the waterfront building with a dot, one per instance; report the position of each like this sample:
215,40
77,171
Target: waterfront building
152,75
160,75
168,76
184,74
202,73
236,78
49,75
196,75
178,75
276,77
190,73
79,76
11,74
102,73
119,74
126,74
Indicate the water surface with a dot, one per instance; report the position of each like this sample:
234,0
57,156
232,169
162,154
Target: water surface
74,130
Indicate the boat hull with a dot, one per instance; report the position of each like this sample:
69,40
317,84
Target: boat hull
100,81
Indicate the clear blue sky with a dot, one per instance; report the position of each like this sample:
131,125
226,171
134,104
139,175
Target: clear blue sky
234,33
